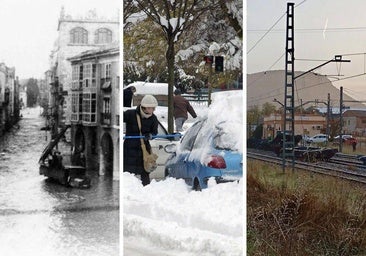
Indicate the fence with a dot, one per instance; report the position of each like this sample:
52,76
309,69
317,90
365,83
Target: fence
197,99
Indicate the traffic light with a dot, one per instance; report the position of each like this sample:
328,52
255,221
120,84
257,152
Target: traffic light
208,59
219,63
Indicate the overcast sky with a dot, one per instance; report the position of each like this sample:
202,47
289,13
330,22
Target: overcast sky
323,29
29,29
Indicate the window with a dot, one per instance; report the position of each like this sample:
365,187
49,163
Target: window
94,76
106,80
190,137
77,77
103,36
78,36
87,75
89,107
106,111
76,108
108,70
107,105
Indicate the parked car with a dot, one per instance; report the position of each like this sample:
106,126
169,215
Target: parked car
157,146
201,156
319,138
346,139
305,138
350,141
212,148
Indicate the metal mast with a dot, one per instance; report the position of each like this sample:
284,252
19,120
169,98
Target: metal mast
289,108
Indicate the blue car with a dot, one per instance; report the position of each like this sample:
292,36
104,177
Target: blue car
205,152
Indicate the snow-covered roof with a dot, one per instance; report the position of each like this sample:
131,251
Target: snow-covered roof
144,88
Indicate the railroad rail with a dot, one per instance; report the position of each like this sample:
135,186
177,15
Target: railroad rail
345,167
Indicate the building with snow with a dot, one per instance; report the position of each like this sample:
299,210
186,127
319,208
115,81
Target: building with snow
95,116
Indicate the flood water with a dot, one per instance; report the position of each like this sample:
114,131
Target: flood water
39,217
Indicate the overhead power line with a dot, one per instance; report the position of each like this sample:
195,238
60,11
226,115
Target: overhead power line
300,30
270,96
269,30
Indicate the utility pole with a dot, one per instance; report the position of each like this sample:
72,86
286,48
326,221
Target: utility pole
328,115
341,120
289,108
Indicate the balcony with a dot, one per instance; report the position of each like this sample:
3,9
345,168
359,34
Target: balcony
106,118
106,84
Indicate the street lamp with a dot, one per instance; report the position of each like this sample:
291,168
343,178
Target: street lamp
275,100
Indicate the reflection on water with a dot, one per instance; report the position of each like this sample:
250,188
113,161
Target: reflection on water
39,217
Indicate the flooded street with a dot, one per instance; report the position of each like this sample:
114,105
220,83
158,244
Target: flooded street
39,217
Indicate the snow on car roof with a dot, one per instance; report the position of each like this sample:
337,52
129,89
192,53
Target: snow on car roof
226,114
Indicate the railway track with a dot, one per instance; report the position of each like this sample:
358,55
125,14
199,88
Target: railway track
341,166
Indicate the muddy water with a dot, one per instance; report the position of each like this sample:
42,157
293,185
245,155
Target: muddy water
39,217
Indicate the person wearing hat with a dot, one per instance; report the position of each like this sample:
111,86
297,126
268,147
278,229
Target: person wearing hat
181,109
132,152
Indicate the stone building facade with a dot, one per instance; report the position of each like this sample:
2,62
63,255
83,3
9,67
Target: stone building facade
95,115
76,35
85,56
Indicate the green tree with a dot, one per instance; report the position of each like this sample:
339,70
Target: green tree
268,109
32,92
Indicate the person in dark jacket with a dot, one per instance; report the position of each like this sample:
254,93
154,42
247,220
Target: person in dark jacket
128,95
132,152
181,109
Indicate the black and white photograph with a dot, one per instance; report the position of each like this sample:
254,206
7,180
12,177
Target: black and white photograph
59,128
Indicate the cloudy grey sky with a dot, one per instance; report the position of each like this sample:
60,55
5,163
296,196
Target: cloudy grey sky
29,29
323,29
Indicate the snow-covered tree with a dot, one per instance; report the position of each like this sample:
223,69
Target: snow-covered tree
171,37
172,17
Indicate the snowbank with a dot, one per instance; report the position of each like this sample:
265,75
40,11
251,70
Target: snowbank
168,218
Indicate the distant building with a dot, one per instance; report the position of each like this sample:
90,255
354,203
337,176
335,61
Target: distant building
354,122
306,124
95,116
9,98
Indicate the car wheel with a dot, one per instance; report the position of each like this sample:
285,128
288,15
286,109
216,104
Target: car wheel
196,185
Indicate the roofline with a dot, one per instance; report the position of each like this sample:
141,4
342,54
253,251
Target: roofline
91,54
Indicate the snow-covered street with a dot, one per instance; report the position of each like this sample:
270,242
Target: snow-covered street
168,218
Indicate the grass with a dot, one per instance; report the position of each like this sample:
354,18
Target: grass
299,213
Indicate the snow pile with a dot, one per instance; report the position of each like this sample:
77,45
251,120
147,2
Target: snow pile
168,218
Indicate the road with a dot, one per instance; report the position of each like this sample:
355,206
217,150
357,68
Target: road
39,217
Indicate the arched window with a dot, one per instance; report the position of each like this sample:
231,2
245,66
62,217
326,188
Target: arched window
103,36
78,36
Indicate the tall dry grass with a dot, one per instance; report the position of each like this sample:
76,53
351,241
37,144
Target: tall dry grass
299,213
